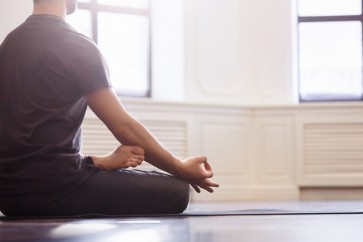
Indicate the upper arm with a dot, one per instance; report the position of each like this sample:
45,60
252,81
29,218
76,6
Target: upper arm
106,105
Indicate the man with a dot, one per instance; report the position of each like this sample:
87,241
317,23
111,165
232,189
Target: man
49,74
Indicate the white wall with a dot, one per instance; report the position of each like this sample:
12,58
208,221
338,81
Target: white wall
240,51
224,51
12,14
168,67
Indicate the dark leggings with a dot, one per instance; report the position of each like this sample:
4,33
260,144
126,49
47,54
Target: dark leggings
124,192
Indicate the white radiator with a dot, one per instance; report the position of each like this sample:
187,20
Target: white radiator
333,148
98,140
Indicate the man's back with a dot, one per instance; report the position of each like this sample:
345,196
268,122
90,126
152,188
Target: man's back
42,107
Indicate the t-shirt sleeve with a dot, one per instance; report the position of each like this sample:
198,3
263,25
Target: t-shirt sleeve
87,67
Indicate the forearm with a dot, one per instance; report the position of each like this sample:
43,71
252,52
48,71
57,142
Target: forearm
132,132
106,105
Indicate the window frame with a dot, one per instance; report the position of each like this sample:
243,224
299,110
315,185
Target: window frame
320,19
94,7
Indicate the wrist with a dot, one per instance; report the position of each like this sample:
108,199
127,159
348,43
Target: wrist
178,171
89,161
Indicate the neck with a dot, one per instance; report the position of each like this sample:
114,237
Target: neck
56,8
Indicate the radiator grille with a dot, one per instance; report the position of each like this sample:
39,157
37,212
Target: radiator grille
98,140
333,148
173,135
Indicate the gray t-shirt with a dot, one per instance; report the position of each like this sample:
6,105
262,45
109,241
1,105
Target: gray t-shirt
46,69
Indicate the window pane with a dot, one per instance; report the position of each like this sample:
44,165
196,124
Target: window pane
329,7
330,60
124,40
81,21
126,3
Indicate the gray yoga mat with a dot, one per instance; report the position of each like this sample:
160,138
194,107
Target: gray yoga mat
246,209
276,208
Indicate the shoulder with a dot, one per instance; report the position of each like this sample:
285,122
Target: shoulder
79,47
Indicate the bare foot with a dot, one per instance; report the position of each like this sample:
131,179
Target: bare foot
128,156
124,156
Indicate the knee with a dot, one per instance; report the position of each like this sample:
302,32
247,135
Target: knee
182,192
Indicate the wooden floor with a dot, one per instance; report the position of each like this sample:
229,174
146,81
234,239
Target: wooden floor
344,226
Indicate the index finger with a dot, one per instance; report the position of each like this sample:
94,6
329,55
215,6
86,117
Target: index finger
207,166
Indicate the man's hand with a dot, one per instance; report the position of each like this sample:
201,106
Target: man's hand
123,157
197,172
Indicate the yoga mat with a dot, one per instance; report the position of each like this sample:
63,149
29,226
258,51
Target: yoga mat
277,208
258,209
264,212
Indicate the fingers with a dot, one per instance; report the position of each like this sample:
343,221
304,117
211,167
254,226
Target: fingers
204,160
208,185
211,183
196,188
205,184
208,189
200,159
207,166
208,170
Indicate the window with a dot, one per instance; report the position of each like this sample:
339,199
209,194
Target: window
330,50
121,28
